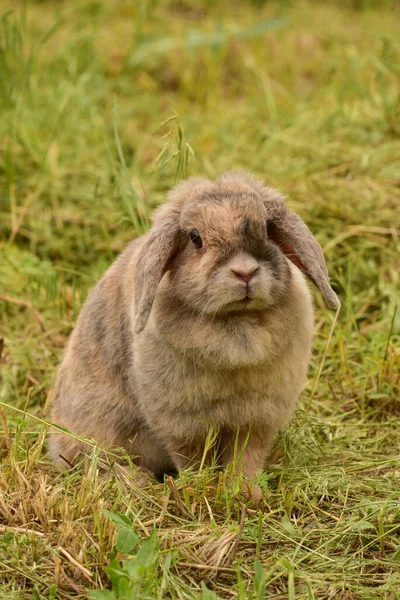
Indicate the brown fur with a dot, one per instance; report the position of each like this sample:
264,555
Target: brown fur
165,345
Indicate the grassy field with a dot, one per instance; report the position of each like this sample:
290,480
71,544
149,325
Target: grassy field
103,106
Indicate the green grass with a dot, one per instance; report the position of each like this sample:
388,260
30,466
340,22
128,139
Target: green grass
103,105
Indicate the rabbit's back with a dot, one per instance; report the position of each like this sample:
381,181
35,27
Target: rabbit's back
94,394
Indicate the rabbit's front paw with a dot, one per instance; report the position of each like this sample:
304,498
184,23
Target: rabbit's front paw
252,492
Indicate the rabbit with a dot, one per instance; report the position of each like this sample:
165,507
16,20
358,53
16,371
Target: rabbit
204,321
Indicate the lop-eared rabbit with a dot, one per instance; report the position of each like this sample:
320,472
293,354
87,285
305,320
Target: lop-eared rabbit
204,321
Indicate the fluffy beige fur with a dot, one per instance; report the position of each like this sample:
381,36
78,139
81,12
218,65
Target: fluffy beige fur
181,334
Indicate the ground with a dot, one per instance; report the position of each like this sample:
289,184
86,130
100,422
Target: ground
103,106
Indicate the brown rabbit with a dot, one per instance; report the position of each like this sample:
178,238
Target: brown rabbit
206,320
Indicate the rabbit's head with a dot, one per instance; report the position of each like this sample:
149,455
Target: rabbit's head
226,244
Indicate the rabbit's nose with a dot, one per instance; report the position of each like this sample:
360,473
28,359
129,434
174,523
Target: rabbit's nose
246,274
244,267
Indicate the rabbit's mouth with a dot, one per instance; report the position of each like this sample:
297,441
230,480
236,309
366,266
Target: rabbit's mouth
243,306
246,302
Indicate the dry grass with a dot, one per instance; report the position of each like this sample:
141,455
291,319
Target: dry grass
305,94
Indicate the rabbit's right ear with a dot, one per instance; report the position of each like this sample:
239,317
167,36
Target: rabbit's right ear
153,260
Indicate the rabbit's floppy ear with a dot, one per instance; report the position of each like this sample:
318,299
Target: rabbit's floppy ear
154,258
296,241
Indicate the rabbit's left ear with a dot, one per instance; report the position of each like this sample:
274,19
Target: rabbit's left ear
296,241
154,259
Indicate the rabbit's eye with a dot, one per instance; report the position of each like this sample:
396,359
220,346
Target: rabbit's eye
196,238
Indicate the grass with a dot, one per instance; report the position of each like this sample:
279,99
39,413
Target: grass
103,105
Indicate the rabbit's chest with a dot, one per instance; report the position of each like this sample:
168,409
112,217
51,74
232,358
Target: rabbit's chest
225,382
229,398
198,395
